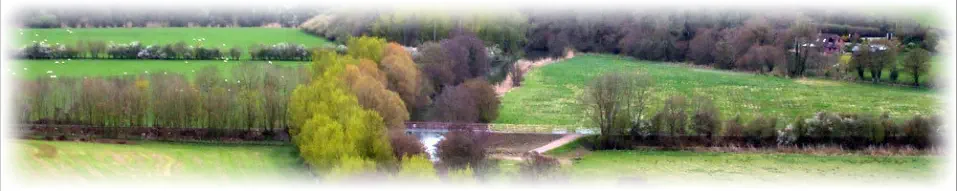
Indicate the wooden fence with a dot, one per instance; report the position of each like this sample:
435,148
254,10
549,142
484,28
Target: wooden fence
500,128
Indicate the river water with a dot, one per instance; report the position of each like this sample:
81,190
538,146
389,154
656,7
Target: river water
429,139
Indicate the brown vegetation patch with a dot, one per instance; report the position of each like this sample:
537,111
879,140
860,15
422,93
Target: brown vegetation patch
523,67
813,82
46,151
119,158
115,141
518,143
822,150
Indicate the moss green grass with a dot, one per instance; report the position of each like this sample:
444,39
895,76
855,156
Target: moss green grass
549,94
79,68
158,161
212,37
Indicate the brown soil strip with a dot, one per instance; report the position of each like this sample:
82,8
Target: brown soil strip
557,143
525,66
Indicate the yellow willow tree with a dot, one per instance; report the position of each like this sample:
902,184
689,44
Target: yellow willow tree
366,47
404,76
370,84
372,93
333,133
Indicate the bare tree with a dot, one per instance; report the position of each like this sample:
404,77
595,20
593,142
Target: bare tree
803,46
916,62
702,46
706,119
617,100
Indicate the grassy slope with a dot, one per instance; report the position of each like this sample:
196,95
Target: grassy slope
682,166
158,161
38,68
731,168
242,37
937,66
548,96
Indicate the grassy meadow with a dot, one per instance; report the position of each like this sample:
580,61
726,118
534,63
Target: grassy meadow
549,94
218,37
675,167
31,69
937,68
671,167
148,161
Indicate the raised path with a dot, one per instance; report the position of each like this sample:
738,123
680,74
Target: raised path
497,128
557,143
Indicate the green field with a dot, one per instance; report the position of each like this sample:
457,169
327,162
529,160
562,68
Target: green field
151,161
677,167
78,68
937,68
549,93
670,167
154,161
242,37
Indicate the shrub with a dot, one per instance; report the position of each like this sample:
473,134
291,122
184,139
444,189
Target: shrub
616,101
733,128
822,125
349,168
485,98
705,120
468,55
405,145
607,142
891,129
516,75
279,51
673,118
201,53
918,131
124,51
461,176
234,53
864,129
761,131
536,167
42,50
856,129
788,135
417,168
454,104
794,133
461,149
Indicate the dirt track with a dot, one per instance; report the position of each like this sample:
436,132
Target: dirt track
525,66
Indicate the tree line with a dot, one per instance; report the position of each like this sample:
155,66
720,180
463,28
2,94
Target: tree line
504,29
255,96
617,103
95,49
138,16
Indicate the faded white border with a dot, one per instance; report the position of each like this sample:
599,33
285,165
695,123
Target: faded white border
946,9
